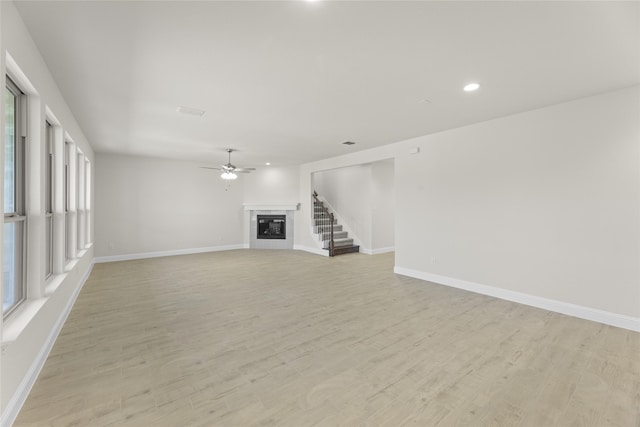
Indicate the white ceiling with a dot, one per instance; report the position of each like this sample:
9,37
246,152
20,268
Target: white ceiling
287,82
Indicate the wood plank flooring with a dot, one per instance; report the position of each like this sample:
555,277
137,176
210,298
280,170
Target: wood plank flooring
286,338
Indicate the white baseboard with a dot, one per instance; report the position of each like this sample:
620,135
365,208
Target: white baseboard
378,251
14,405
316,251
383,250
143,255
593,314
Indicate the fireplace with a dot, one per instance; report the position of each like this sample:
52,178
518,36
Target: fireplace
272,227
259,216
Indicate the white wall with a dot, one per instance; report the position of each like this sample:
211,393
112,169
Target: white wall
383,205
272,184
146,205
29,332
159,206
544,203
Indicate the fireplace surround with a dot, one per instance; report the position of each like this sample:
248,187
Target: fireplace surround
253,211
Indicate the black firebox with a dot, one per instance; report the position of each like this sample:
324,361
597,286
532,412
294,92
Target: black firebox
272,227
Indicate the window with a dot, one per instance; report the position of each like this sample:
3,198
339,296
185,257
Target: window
13,285
48,200
87,200
67,201
80,201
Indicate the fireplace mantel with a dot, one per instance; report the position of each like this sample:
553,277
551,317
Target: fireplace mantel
271,206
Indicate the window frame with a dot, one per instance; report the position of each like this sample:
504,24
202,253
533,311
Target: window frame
18,215
87,201
79,200
48,199
66,199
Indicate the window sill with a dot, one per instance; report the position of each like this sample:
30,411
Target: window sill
70,265
53,283
15,323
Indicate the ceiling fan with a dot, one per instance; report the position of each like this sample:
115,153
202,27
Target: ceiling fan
229,171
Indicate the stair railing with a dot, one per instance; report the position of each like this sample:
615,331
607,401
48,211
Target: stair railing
325,216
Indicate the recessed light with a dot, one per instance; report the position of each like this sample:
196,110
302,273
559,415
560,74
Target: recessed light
348,143
190,111
268,164
471,87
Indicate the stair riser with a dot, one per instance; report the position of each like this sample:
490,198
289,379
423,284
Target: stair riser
325,229
339,244
346,250
336,235
323,222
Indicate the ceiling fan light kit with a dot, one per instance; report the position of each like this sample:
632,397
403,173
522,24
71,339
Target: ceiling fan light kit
230,171
228,175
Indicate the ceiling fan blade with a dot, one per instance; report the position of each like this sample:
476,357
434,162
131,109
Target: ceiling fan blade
229,168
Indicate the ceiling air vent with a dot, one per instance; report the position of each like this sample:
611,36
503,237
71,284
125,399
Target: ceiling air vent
348,143
190,111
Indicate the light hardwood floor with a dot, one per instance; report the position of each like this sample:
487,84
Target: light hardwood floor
287,338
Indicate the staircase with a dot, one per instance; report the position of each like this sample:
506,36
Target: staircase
322,221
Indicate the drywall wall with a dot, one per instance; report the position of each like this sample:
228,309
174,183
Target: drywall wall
383,208
272,184
147,205
29,332
544,203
